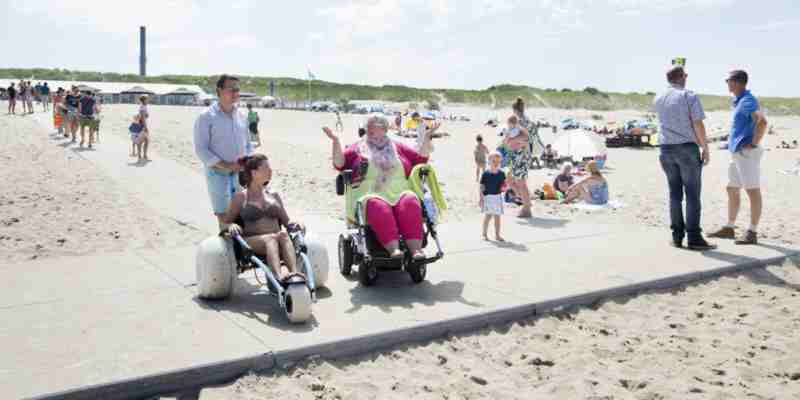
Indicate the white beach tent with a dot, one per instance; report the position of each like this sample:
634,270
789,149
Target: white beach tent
268,101
579,144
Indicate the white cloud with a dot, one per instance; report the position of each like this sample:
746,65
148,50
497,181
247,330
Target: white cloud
774,26
636,7
162,17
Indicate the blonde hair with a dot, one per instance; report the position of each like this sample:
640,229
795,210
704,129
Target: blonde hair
593,169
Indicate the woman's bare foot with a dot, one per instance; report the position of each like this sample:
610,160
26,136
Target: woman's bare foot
418,255
485,237
499,238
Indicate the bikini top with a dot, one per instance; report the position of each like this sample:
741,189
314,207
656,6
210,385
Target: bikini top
273,210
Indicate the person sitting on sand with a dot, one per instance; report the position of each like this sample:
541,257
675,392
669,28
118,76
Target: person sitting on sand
592,189
564,180
392,208
549,156
263,214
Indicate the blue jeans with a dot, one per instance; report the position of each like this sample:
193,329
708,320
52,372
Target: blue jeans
683,166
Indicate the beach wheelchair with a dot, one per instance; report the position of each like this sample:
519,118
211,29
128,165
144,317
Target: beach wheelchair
222,258
359,246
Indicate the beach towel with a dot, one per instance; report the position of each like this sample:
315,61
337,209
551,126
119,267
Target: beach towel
611,205
433,184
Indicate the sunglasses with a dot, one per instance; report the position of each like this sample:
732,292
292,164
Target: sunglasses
233,89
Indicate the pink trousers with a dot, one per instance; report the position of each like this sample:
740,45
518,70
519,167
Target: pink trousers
389,223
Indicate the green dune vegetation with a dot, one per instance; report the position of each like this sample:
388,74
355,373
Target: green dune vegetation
293,89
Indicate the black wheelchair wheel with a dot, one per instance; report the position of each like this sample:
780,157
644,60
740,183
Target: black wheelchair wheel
367,274
417,272
345,255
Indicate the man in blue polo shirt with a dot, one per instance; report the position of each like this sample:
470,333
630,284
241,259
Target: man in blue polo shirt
744,171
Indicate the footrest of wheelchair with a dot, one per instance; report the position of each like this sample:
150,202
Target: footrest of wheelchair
293,279
427,260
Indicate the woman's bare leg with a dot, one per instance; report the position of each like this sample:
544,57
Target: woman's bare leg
273,254
486,219
287,251
585,195
573,193
146,144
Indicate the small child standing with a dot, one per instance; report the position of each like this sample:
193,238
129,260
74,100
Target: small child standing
481,151
491,198
137,130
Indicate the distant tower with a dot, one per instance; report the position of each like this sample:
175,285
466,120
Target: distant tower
142,53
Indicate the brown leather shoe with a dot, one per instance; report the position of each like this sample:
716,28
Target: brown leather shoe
724,233
749,237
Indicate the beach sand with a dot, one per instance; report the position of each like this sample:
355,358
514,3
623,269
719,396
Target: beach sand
735,337
732,338
300,156
56,203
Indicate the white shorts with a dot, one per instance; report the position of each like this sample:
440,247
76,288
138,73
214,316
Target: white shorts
493,204
744,170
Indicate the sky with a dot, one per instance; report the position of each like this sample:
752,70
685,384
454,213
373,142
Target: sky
614,45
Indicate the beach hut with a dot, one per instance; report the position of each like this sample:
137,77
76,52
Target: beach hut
83,88
180,96
132,94
268,102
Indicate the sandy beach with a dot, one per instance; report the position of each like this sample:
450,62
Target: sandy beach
734,337
300,156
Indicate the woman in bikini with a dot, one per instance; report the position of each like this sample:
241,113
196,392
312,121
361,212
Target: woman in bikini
263,215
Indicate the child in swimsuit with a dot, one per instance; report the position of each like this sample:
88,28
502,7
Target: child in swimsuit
480,157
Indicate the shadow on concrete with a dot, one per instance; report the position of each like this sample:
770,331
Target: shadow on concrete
253,302
521,247
546,223
394,289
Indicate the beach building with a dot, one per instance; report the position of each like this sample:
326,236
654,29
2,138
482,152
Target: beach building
129,92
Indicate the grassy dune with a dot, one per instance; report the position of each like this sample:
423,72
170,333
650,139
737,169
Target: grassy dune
500,95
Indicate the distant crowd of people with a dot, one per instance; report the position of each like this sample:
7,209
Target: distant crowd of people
25,94
223,135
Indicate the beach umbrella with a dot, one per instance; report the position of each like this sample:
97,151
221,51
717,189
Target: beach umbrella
579,144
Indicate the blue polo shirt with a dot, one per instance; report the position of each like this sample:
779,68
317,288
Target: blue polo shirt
744,126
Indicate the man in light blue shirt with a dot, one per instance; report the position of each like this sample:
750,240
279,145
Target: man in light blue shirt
744,171
220,139
684,152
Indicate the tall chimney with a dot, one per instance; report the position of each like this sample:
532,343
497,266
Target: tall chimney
142,53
